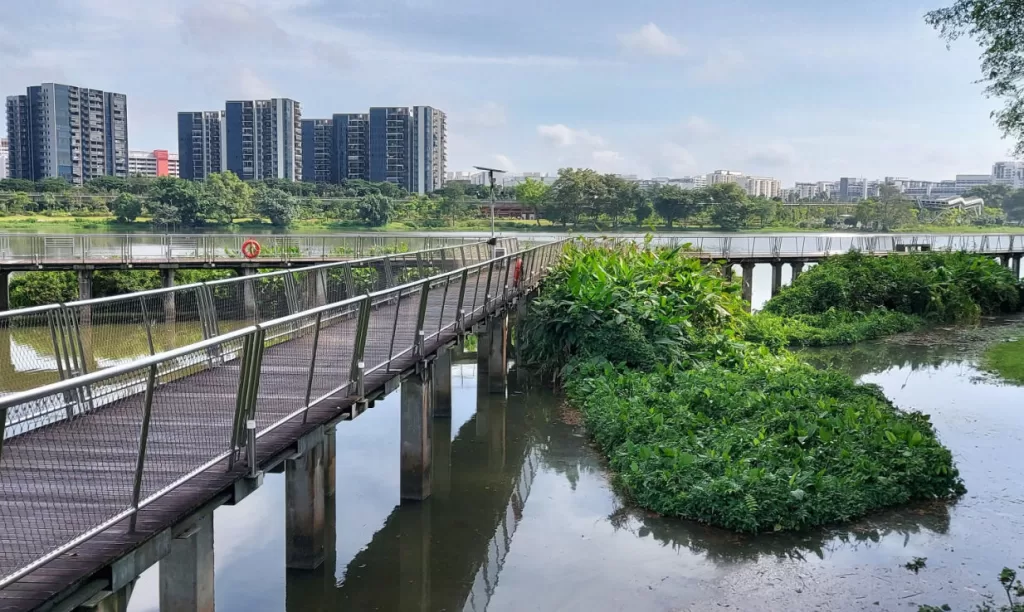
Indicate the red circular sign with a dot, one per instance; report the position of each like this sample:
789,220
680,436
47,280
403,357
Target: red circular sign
251,249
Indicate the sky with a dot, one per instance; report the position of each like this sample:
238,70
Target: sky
802,90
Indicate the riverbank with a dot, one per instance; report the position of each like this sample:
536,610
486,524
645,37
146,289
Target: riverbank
108,224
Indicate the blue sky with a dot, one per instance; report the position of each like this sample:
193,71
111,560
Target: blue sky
797,89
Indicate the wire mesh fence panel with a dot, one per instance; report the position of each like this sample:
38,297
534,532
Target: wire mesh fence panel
333,364
53,486
28,350
389,331
284,370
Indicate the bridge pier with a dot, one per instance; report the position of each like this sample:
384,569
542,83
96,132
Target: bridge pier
304,515
1004,260
497,353
776,277
727,271
316,288
248,294
416,429
747,291
106,601
1016,266
5,290
441,451
167,282
798,269
441,370
330,461
187,573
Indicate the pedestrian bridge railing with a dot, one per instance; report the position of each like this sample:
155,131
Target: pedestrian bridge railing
198,249
159,421
58,341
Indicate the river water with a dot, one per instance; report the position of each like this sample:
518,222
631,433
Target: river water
524,516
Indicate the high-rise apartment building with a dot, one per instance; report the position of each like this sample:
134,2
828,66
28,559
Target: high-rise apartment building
351,160
429,149
317,150
390,139
153,163
4,156
202,146
1008,173
65,131
726,176
264,139
762,187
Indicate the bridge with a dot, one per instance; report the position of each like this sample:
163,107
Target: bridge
116,464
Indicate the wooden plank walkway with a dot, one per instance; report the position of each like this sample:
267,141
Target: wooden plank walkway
58,481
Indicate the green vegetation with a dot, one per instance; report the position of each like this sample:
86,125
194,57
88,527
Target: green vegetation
698,422
39,288
1006,359
853,297
1012,588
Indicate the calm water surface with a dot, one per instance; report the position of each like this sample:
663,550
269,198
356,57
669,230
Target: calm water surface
524,518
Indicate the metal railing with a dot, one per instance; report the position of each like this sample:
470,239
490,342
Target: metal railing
141,249
47,343
82,455
824,245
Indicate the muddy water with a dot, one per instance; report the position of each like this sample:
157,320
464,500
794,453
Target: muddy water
523,517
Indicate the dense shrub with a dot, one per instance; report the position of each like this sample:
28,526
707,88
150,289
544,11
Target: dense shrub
630,305
772,445
698,422
827,329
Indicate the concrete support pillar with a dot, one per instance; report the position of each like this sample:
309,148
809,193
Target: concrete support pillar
442,384
248,294
186,574
167,281
776,277
85,293
304,497
727,271
416,436
747,291
330,461
497,358
5,290
1004,260
110,602
310,590
315,288
798,269
1016,266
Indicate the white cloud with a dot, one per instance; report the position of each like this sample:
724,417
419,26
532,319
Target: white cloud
489,115
650,40
561,135
697,127
506,164
250,86
679,160
720,66
772,155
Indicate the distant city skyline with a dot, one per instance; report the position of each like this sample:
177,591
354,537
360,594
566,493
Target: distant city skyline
791,89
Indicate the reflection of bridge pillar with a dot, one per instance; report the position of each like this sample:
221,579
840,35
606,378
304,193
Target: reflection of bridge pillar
304,498
441,451
307,590
5,290
442,383
416,429
496,434
798,269
748,283
497,354
186,574
248,293
1016,266
776,277
414,559
85,293
167,281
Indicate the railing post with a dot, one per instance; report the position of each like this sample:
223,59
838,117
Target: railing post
358,349
350,286
140,464
394,330
312,362
149,325
424,297
389,275
459,312
487,288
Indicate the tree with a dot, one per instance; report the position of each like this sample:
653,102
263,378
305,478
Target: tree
13,184
375,210
673,202
1014,206
998,28
994,195
175,200
575,191
229,196
126,207
20,202
643,210
53,184
276,205
729,208
534,193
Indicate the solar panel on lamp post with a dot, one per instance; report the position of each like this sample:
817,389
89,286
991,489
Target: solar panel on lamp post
490,175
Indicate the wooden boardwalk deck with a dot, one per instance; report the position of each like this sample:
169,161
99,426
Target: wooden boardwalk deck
57,480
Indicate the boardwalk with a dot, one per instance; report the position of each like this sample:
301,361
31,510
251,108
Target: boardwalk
150,442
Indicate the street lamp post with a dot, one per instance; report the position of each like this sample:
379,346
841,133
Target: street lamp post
490,176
